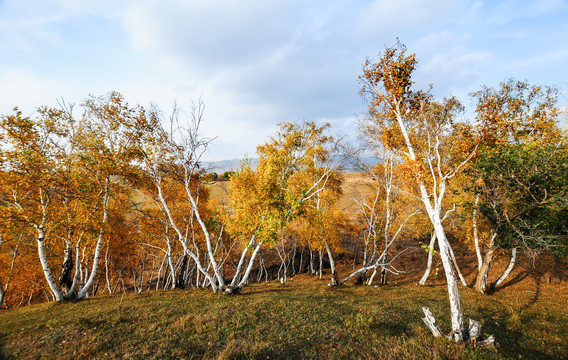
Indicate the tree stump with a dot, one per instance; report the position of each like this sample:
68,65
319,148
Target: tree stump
473,334
430,321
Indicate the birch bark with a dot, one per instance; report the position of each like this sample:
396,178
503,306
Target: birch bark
507,270
429,262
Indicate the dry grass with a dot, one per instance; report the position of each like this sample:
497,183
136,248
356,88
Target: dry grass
355,186
219,192
304,319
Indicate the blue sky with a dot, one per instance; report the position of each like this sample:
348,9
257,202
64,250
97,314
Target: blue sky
257,62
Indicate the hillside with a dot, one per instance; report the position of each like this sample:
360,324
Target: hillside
301,320
355,186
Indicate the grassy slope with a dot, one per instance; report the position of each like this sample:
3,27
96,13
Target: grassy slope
304,319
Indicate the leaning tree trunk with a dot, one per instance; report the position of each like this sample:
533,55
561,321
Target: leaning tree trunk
334,277
507,270
208,243
454,261
240,264
476,235
57,293
483,273
246,275
481,279
90,281
429,263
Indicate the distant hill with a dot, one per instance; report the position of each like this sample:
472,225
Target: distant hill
222,166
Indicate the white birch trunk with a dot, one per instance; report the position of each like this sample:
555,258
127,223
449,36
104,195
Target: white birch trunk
429,263
312,270
171,266
239,266
388,175
208,243
246,275
372,277
159,277
283,263
165,208
107,277
6,283
334,278
143,267
475,233
464,283
452,280
293,259
89,283
57,293
359,271
320,264
434,212
430,321
507,270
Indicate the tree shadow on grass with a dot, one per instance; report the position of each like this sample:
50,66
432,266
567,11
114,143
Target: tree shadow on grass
517,279
507,327
392,328
520,277
3,354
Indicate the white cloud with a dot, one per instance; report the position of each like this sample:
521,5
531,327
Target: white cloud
258,62
401,17
27,91
211,33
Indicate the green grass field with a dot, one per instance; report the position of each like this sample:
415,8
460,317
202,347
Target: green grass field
300,320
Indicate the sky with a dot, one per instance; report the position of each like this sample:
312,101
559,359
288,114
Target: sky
256,63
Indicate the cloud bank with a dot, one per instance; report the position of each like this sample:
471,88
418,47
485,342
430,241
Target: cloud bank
256,63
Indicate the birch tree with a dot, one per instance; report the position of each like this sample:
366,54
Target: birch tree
417,128
171,154
525,199
317,185
35,177
60,178
382,213
517,175
297,173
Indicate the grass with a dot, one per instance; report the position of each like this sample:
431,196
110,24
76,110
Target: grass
304,319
